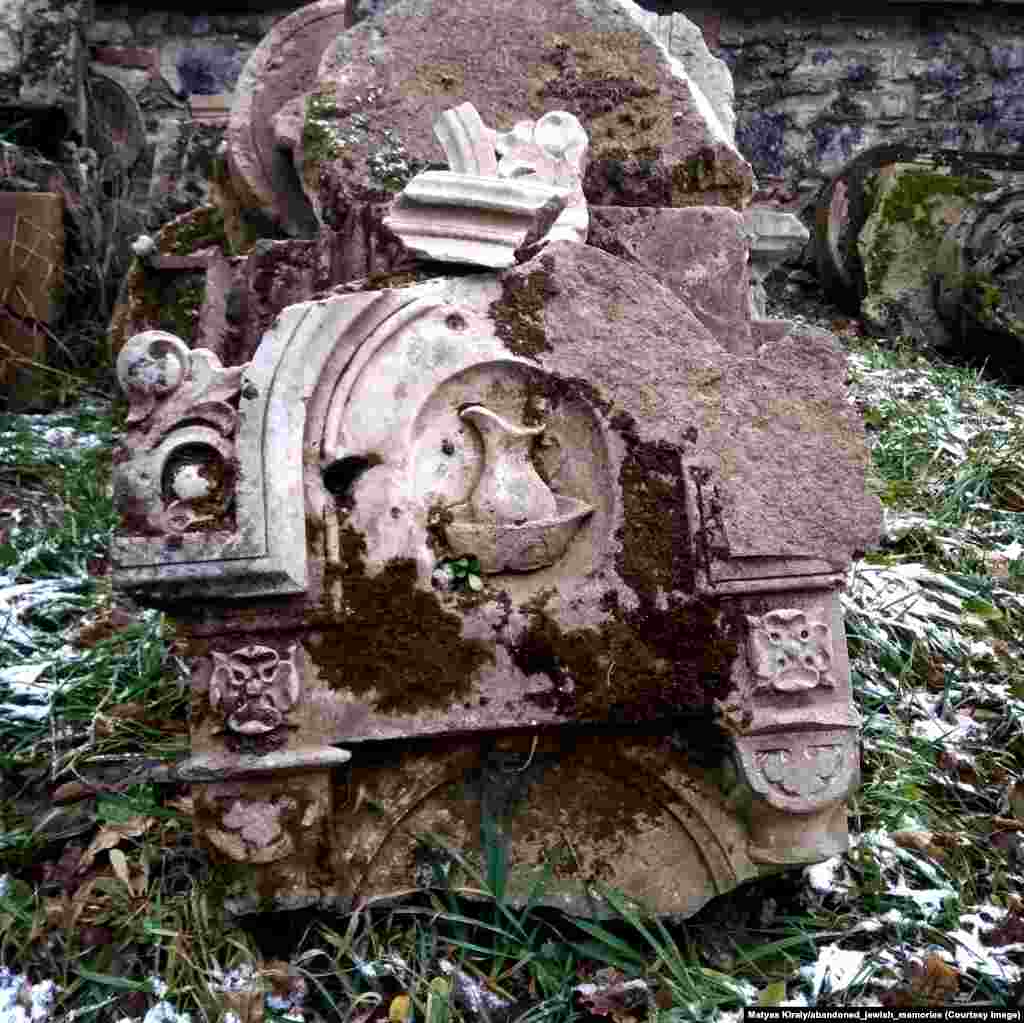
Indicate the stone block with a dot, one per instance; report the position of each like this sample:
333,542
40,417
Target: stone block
31,254
633,497
699,253
654,139
42,57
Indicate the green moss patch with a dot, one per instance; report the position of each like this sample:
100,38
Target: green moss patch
909,214
645,664
202,228
398,645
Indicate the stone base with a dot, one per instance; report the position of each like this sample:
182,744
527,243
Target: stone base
570,811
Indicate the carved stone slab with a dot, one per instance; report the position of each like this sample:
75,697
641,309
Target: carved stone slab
655,143
541,426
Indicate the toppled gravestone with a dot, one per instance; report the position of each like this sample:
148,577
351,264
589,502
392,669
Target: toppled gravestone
545,556
926,244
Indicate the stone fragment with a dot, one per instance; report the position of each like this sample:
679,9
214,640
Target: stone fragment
913,207
282,67
651,142
685,43
979,280
42,58
699,253
483,209
774,236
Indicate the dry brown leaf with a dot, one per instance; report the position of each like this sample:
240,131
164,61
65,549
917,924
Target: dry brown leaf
934,982
111,835
184,804
926,842
72,792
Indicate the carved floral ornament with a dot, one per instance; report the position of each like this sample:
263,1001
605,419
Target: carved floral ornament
502,189
254,687
800,771
790,652
260,830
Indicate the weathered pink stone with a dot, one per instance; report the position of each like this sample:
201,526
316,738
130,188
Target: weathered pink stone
700,253
354,142
281,67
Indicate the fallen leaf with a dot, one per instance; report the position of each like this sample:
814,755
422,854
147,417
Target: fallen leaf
933,982
112,835
773,994
614,995
920,841
72,792
400,1010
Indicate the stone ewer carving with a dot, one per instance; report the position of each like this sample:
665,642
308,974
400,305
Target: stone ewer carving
512,521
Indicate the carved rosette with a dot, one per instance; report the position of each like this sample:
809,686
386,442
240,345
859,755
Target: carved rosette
254,687
794,734
789,652
265,822
175,472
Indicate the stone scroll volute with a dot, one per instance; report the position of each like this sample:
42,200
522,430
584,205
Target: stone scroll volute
176,472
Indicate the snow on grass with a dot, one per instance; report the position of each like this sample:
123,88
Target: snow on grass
972,953
24,1002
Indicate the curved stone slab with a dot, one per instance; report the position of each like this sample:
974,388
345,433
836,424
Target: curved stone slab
574,812
281,67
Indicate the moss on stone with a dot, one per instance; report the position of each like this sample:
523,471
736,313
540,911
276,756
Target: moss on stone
199,229
397,645
519,314
320,140
908,209
671,654
702,173
647,664
604,79
156,300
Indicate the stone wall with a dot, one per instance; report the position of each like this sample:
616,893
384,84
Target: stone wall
813,86
180,68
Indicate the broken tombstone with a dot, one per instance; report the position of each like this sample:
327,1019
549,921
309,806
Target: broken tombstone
535,556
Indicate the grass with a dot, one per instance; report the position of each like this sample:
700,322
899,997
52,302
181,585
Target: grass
110,899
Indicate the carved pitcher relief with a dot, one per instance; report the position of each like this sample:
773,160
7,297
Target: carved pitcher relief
512,521
470,452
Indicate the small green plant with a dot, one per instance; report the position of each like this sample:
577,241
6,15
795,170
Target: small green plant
459,574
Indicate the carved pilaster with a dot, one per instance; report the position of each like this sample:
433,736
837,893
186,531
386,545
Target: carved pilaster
794,734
